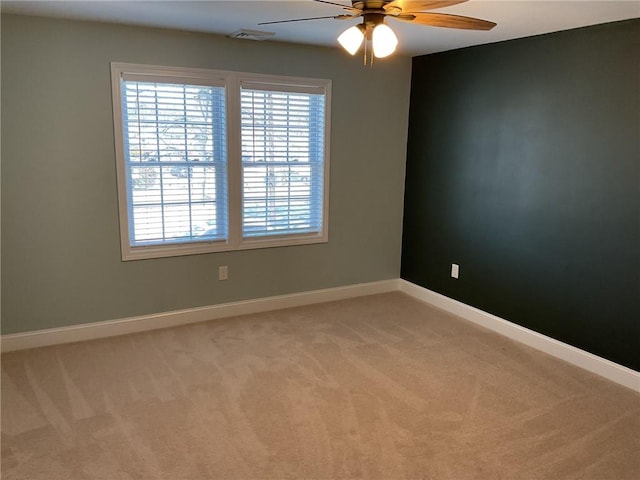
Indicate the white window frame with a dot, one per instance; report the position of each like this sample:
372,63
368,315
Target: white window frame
232,82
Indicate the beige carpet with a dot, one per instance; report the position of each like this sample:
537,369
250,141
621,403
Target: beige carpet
380,387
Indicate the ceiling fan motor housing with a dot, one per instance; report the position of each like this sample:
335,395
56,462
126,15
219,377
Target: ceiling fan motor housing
373,11
369,4
373,19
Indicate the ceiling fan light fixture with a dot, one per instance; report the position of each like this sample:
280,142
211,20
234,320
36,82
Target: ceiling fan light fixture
378,39
384,41
351,39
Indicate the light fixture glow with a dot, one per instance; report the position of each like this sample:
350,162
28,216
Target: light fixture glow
351,39
384,41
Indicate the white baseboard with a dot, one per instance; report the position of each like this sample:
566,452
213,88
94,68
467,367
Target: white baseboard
588,361
88,331
110,328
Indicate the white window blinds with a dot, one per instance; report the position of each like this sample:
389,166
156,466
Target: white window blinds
175,159
211,160
282,134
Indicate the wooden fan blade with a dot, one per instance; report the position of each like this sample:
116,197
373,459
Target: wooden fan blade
335,17
419,5
446,20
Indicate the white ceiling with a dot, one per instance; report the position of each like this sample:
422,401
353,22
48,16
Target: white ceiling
515,18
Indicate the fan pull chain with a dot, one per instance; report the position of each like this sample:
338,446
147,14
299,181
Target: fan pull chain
366,44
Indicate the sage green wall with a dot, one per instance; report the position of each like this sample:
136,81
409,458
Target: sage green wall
60,232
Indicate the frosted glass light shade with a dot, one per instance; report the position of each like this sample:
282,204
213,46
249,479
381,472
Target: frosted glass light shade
351,39
384,41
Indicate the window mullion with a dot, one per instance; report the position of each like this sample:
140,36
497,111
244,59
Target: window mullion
234,162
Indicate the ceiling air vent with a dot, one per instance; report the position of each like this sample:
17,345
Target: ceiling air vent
247,34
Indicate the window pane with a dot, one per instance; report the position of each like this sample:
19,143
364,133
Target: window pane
175,148
282,162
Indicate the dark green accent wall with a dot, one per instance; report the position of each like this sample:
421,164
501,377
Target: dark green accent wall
523,167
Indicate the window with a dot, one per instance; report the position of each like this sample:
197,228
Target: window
282,159
210,161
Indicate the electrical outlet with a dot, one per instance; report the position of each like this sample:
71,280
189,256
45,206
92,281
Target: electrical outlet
455,270
223,272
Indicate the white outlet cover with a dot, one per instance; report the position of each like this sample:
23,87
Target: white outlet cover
223,273
455,270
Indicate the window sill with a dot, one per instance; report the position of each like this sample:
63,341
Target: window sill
196,248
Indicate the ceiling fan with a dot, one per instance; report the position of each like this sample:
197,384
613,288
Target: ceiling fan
373,29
